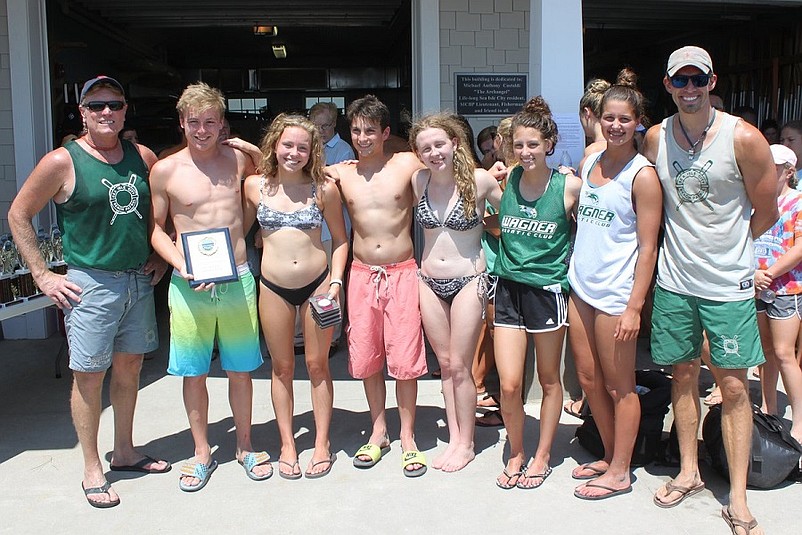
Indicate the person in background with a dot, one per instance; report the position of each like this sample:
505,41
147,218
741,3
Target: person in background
791,137
747,113
486,141
589,112
130,134
717,103
771,131
335,150
778,281
107,293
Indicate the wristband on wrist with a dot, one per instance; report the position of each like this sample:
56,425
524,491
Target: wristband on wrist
336,281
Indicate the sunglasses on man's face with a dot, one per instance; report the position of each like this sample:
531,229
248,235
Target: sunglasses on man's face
681,80
100,105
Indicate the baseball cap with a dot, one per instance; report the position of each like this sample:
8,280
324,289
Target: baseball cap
689,55
98,79
783,155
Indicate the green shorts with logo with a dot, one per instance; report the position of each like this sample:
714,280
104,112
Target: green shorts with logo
731,326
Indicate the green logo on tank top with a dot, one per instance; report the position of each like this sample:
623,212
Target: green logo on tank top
592,214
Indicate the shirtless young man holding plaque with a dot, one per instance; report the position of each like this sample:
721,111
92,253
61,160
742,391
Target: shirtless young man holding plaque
198,188
384,314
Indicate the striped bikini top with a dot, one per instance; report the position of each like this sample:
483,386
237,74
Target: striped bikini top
306,218
455,220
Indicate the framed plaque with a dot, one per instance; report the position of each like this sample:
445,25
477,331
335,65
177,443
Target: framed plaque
209,256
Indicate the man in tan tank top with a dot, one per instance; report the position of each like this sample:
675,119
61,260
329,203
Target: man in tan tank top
714,168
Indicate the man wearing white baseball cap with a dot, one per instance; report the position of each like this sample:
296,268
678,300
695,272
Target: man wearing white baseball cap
714,169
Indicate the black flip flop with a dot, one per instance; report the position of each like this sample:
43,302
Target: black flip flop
140,466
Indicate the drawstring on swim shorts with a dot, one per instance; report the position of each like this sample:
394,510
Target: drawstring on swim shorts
379,273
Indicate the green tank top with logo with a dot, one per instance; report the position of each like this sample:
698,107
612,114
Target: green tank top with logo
104,223
535,235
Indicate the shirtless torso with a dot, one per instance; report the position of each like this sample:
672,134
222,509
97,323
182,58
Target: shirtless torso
378,195
199,190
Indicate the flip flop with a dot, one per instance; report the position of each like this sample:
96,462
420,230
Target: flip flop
103,489
253,459
524,475
684,492
613,492
490,419
370,450
571,408
713,399
486,400
587,466
292,475
140,466
198,470
413,457
735,523
318,475
509,484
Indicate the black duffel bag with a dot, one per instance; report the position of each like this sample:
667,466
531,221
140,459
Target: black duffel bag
775,454
654,389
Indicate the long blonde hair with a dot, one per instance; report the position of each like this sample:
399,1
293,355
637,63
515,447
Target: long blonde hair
269,163
464,166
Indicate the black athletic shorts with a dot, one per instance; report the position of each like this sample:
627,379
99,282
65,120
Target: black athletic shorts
520,306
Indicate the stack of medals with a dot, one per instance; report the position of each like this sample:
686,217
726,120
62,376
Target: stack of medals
325,311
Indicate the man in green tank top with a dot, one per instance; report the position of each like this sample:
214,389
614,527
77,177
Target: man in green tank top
99,184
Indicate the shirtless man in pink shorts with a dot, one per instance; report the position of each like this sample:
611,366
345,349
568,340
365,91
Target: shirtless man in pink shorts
383,312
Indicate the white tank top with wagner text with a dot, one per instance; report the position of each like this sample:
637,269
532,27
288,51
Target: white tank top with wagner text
602,268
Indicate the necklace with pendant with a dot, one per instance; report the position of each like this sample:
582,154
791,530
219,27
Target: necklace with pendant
692,149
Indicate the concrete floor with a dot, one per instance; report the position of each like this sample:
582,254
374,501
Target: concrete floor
40,469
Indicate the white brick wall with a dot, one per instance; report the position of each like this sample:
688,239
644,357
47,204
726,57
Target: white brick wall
481,36
8,181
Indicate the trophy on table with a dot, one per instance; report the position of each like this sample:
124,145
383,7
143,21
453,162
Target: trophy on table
25,285
9,289
56,251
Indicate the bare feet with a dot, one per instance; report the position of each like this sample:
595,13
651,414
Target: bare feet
459,458
441,459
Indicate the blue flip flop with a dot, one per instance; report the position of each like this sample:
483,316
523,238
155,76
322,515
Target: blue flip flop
198,470
252,460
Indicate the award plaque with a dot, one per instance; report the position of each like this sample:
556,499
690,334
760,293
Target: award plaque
209,256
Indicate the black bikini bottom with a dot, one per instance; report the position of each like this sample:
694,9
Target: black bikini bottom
295,296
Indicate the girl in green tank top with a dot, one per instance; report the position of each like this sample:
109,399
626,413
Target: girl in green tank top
535,239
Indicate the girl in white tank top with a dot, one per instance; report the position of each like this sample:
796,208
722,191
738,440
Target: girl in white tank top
618,219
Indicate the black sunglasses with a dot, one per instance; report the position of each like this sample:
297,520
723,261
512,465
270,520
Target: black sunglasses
681,80
100,105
